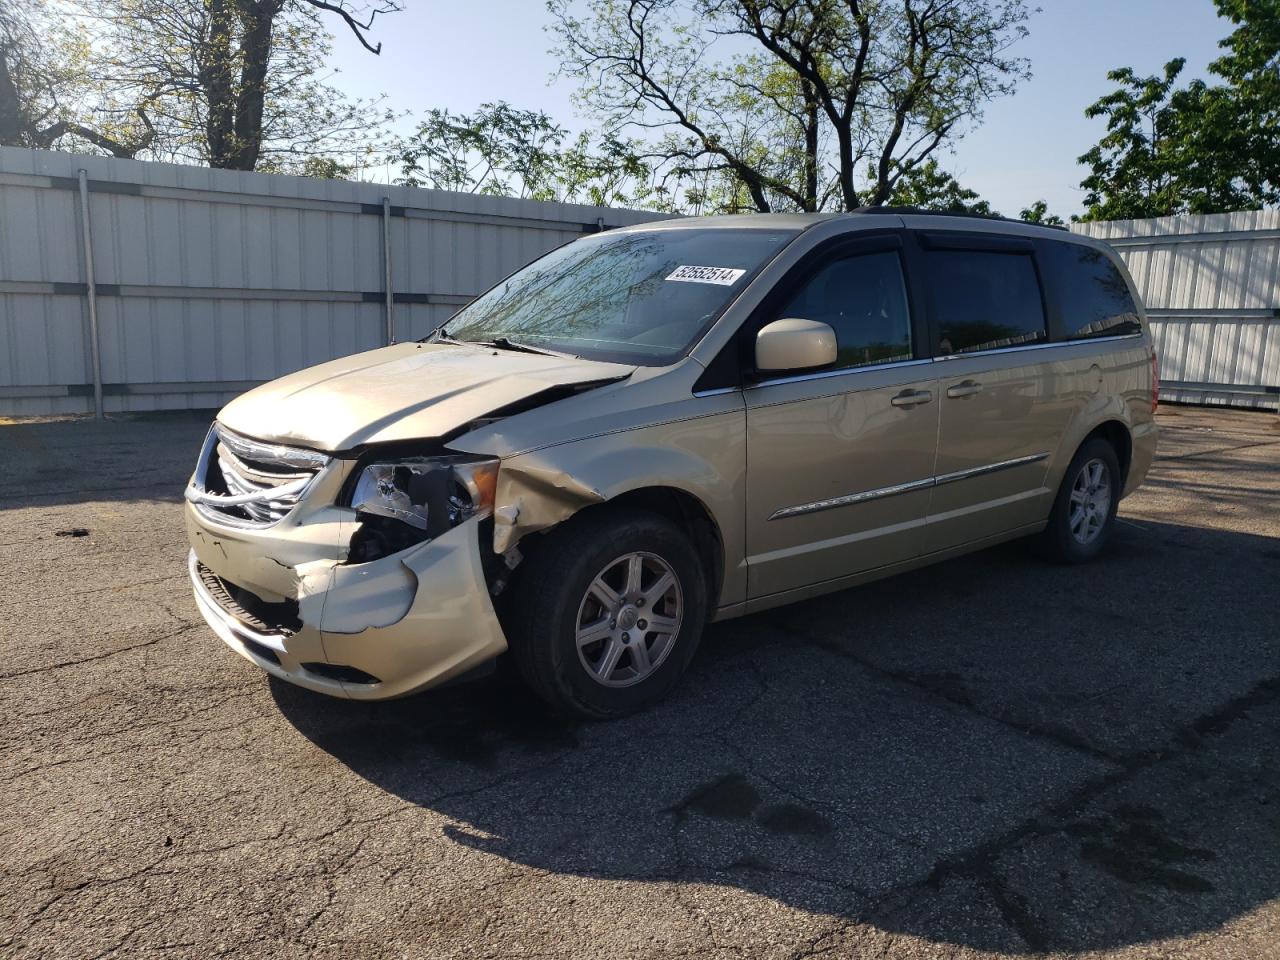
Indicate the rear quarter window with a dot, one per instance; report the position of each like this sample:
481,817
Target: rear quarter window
984,300
1093,299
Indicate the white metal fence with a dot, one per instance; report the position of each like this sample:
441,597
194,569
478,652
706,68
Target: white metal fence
1212,288
164,286
160,286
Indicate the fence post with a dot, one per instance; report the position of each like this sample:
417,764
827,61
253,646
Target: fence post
386,267
91,292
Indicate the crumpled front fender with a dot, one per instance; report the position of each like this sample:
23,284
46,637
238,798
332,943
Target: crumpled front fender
703,457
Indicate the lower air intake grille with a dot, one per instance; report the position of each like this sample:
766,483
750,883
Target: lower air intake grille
280,619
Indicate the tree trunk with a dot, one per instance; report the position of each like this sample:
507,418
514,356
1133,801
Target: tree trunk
215,77
810,204
12,123
848,192
256,58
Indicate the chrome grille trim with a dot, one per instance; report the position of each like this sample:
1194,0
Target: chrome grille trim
249,449
261,482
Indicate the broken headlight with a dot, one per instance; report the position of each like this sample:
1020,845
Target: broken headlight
415,499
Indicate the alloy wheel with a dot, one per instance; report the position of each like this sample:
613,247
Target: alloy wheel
629,619
1090,502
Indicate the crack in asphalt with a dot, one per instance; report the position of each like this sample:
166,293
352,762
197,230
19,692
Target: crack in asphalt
1208,453
162,718
1058,735
979,861
169,722
64,664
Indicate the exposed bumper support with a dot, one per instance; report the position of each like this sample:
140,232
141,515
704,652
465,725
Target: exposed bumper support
221,620
412,620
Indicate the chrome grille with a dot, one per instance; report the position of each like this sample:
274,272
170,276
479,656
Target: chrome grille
247,482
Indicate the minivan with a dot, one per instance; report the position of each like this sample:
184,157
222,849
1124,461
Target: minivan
654,427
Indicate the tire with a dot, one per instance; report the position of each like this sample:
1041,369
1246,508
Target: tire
561,597
1084,512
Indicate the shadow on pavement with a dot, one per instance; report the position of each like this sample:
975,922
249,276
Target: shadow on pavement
993,752
125,458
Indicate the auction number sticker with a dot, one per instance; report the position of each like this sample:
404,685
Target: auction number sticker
725,276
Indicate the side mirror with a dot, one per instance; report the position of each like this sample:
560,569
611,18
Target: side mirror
795,344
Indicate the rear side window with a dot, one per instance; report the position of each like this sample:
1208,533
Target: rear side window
1095,300
984,300
863,297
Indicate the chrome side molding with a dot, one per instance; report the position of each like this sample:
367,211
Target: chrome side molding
852,498
989,468
900,488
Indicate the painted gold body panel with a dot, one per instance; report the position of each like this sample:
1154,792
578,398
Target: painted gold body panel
813,439
812,483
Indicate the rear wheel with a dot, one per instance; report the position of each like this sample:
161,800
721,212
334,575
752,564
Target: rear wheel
1084,512
608,613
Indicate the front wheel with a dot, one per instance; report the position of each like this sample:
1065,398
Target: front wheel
607,615
1084,512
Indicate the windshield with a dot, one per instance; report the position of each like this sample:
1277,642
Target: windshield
641,297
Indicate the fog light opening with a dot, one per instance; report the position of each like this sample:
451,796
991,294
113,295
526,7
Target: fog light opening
340,673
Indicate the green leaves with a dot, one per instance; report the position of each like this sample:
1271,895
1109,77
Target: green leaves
1198,148
931,188
231,83
504,151
1038,212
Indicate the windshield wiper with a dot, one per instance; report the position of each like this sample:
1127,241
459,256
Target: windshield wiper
440,336
506,343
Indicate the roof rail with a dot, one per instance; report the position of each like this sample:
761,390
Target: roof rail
964,214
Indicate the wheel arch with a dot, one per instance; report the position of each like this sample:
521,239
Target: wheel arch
682,508
690,514
1116,433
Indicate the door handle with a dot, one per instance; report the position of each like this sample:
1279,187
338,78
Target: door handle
966,388
911,398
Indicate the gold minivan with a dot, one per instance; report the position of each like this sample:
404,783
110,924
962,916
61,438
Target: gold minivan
671,423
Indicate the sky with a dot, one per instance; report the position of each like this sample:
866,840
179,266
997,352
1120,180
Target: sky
442,53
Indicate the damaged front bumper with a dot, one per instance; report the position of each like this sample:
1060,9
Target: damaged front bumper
282,598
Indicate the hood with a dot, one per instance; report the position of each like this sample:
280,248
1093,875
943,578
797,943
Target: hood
407,391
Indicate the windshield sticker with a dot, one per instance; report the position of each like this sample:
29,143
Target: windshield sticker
725,276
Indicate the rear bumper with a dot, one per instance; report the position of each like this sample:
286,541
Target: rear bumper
1142,455
365,631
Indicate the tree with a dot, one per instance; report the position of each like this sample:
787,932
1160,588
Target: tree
41,75
504,151
28,81
789,103
232,83
610,173
1242,117
1198,148
498,150
1135,168
930,188
1038,212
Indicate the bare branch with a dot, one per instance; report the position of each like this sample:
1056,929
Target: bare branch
357,27
836,101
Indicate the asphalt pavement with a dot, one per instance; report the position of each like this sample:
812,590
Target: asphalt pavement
990,757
